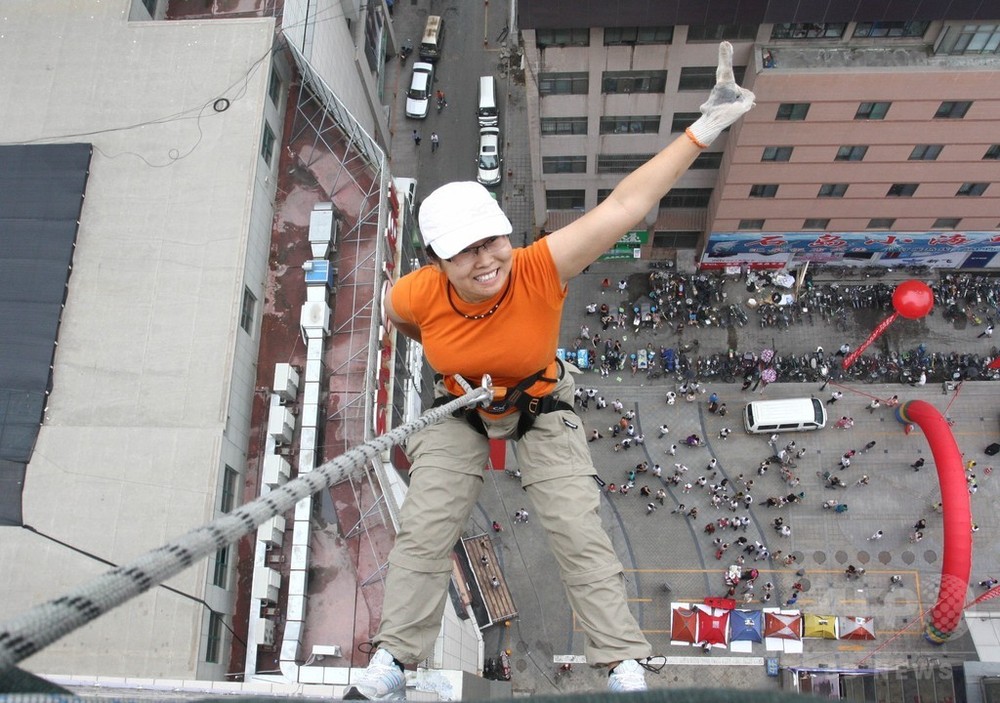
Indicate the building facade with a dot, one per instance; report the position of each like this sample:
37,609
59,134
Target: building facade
873,140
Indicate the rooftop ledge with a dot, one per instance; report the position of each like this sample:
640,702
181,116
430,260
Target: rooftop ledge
887,57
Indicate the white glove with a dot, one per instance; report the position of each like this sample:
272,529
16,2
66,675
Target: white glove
726,103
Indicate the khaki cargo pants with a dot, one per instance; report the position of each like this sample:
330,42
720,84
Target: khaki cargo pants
446,478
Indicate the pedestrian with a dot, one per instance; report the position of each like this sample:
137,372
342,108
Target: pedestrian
867,447
497,527
650,507
988,332
863,481
416,138
435,140
916,536
721,412
874,405
892,402
724,433
834,397
920,524
664,430
988,583
844,462
466,236
877,536
917,464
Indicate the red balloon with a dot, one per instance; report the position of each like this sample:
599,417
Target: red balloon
913,299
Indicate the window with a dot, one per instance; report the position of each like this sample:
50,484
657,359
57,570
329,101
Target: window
832,190
925,152
952,109
274,87
562,126
993,152
766,190
872,111
621,163
972,39
707,159
686,197
972,189
703,77
683,120
902,190
267,144
247,311
776,153
675,240
562,37
718,32
946,223
220,574
634,82
751,224
214,643
564,199
602,194
639,124
851,153
792,111
881,223
809,30
575,83
890,29
150,6
816,223
230,481
627,36
564,164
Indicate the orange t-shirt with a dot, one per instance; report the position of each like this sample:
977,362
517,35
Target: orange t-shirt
519,339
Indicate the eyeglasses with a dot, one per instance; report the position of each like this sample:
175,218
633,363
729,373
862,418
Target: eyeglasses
468,255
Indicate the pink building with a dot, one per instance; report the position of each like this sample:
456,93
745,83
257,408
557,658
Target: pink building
874,139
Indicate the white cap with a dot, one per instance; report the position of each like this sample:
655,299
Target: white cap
459,214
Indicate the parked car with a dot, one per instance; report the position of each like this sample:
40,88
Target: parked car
418,97
489,156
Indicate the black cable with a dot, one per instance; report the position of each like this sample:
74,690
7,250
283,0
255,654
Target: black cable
102,560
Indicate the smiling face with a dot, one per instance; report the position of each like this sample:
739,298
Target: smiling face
479,271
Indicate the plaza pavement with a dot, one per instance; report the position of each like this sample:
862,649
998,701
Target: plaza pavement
663,551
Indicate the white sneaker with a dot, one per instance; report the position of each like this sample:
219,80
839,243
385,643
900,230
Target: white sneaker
627,676
383,680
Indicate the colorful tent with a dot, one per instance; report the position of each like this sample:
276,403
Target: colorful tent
821,626
857,628
746,626
713,625
783,626
683,625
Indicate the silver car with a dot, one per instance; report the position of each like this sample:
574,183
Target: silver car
489,156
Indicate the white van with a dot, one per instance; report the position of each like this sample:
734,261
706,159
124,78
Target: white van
486,109
433,39
789,415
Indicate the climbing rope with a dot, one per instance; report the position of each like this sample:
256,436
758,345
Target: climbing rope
29,633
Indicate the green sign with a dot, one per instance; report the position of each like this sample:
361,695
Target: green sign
636,237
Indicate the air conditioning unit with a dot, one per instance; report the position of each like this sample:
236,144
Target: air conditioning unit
286,382
270,611
275,558
266,585
277,470
272,532
280,425
322,230
264,632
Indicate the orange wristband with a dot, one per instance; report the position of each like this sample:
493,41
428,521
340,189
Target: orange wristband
694,139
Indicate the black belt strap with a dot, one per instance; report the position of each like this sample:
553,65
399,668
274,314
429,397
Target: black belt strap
530,406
